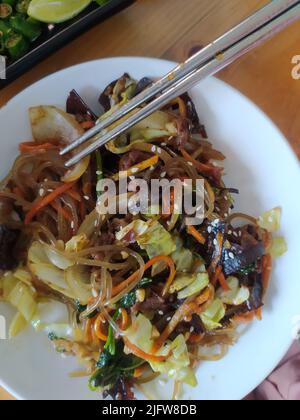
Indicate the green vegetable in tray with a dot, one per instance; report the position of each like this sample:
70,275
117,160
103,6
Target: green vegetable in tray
22,6
16,45
29,30
5,10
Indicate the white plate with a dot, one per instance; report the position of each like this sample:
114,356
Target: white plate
259,162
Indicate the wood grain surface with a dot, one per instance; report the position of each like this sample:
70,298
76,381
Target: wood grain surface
172,29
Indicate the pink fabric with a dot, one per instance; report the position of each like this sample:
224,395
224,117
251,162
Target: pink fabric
284,383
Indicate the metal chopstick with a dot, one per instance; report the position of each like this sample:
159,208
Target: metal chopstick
211,66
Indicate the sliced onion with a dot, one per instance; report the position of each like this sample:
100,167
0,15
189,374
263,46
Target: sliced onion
78,280
77,171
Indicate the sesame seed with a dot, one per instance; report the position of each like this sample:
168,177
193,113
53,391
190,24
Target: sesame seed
231,255
153,149
99,173
163,174
164,144
72,224
134,170
226,215
192,329
159,150
190,163
160,313
240,233
209,229
50,190
132,178
169,318
152,168
235,234
226,198
46,180
215,242
86,197
41,191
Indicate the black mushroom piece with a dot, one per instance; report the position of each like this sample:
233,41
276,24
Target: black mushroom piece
8,240
76,106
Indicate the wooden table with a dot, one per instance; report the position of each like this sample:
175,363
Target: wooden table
172,29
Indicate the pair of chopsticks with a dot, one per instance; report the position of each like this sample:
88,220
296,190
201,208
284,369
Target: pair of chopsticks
250,33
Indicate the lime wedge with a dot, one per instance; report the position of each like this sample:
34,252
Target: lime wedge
56,11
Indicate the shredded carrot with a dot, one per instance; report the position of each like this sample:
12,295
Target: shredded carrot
44,201
98,325
196,338
31,146
266,270
184,311
138,371
139,167
86,125
197,235
223,282
168,260
182,107
243,318
202,167
124,319
258,314
65,213
143,355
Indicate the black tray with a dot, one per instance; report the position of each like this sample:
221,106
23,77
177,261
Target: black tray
57,36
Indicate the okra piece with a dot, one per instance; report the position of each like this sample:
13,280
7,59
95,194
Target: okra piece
31,31
5,10
4,28
16,45
22,6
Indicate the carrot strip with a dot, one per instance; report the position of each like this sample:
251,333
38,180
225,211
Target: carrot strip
168,260
139,167
143,355
197,235
124,319
98,328
66,214
223,281
88,331
42,202
202,167
31,146
186,310
266,270
138,371
248,317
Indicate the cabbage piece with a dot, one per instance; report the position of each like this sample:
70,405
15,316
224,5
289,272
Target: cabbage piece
199,283
52,317
237,295
182,257
177,366
181,281
278,247
23,275
18,324
22,298
49,123
270,220
8,284
77,243
56,270
151,236
78,279
213,315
